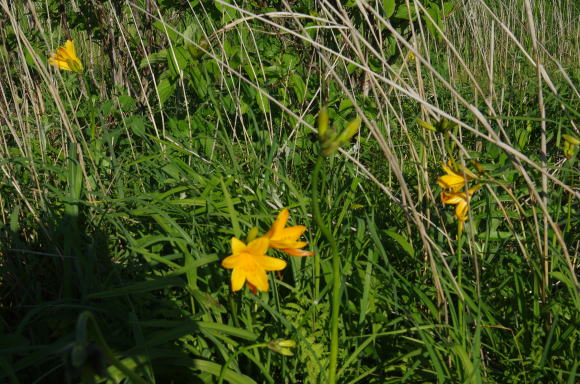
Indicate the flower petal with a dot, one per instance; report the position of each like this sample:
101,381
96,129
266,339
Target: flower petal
63,54
461,210
259,246
231,261
451,182
281,244
238,279
279,223
271,263
293,232
59,64
237,245
473,189
258,278
69,46
451,198
298,252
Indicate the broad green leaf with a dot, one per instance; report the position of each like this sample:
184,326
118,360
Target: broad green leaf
165,88
403,12
389,8
154,58
402,242
263,102
137,125
177,60
168,30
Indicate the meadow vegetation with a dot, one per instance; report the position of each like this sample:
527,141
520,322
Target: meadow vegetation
426,151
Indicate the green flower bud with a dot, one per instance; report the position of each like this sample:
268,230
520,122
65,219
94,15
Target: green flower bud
282,346
252,234
330,140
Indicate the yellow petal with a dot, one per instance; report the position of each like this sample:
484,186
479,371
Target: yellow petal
259,246
258,278
237,245
231,261
448,170
281,244
452,198
59,64
69,46
451,182
294,232
271,263
473,189
238,279
63,54
461,210
279,223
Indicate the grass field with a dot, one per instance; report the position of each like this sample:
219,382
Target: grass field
424,151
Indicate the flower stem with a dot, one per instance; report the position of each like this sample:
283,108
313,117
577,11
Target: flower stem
336,276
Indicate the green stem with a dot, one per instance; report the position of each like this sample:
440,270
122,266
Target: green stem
336,276
232,357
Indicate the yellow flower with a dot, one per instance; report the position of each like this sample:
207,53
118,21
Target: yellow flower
66,58
286,239
452,180
250,263
461,201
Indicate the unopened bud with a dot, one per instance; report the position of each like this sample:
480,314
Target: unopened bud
350,130
282,346
252,234
569,145
323,123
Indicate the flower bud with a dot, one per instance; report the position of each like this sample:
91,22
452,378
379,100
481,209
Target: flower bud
569,145
252,234
282,346
330,140
323,123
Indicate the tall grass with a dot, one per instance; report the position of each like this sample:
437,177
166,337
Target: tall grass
121,188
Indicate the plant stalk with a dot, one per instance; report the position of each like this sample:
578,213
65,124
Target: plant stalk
336,275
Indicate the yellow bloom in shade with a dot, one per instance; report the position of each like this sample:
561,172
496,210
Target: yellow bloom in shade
461,201
286,239
249,263
452,180
66,58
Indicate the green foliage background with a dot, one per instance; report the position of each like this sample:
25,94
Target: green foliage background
195,121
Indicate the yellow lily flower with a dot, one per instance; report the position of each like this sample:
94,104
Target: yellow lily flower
66,58
452,180
286,239
250,263
461,201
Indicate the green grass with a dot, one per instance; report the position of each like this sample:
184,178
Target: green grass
193,122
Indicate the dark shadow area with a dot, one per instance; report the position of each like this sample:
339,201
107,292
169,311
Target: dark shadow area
54,269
